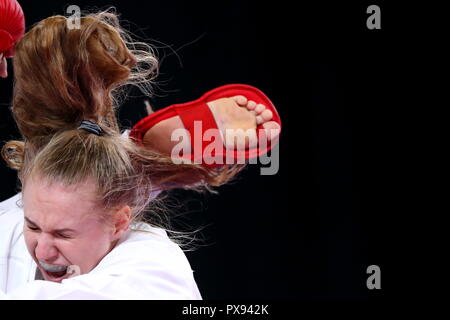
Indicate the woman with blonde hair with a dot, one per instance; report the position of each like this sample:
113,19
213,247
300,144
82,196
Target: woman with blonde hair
86,188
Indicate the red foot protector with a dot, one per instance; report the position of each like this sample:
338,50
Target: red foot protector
12,26
199,112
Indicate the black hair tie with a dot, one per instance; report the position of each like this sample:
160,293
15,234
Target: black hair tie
91,127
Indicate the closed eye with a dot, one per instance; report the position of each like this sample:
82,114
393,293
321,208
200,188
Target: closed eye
64,236
33,228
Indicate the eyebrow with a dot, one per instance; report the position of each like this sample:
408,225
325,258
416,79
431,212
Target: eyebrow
57,230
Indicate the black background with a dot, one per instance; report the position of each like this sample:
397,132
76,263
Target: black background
311,230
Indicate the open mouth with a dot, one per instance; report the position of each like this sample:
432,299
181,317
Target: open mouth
53,272
55,276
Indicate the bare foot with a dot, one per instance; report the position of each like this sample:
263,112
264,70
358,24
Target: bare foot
236,117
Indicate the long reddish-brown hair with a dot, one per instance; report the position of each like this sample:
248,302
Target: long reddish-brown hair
63,76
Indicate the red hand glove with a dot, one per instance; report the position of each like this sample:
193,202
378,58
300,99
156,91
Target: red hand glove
12,26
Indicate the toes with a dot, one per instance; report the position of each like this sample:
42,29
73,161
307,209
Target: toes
271,125
271,131
241,100
259,108
264,116
259,120
267,115
251,105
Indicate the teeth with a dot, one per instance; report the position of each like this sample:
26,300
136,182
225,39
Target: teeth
74,270
52,268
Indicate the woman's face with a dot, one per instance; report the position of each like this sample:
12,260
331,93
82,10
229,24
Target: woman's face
63,227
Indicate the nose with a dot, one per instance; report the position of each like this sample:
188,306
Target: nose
45,249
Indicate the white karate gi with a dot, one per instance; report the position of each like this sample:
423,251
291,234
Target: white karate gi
143,265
